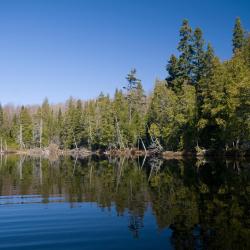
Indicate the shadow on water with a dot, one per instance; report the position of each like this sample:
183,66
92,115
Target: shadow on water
205,204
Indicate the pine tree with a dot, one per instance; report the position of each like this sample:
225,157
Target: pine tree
58,128
105,127
137,127
198,55
173,72
185,48
78,123
133,82
238,35
69,123
238,100
47,120
120,113
25,123
203,94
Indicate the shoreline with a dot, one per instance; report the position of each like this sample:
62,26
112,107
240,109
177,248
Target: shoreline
83,153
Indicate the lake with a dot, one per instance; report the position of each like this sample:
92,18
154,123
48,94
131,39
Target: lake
118,203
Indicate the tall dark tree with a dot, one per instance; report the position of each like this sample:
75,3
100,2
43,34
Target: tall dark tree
208,66
238,35
186,52
132,85
25,126
173,72
198,55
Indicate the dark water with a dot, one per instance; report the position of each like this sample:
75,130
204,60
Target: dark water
124,204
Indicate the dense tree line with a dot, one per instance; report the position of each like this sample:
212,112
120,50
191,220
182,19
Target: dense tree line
203,102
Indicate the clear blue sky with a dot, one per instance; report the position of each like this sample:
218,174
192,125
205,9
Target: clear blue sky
62,48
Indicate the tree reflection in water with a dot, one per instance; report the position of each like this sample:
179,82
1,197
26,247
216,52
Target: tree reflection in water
204,203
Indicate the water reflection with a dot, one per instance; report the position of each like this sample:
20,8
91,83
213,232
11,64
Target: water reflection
204,203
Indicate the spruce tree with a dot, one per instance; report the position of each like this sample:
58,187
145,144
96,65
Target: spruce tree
186,52
133,82
25,125
120,112
173,72
198,55
238,35
203,87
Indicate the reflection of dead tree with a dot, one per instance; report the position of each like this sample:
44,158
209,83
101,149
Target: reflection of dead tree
37,168
90,163
199,163
20,166
74,165
143,162
155,164
135,224
3,147
5,156
119,174
144,147
5,159
236,166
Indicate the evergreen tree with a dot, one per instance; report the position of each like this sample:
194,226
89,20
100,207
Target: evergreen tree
46,118
238,97
105,128
185,48
69,125
59,127
137,127
78,122
204,94
132,85
121,113
173,72
238,35
198,56
25,128
170,115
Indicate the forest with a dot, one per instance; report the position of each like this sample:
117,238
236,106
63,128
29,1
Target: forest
204,103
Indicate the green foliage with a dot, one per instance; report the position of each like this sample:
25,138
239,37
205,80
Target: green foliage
185,48
238,36
25,124
203,102
170,115
105,128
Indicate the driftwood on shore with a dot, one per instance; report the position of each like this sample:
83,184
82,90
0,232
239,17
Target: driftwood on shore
53,152
126,152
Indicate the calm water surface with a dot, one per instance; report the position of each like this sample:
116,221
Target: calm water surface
124,204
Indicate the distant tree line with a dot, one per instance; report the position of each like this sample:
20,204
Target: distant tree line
203,102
